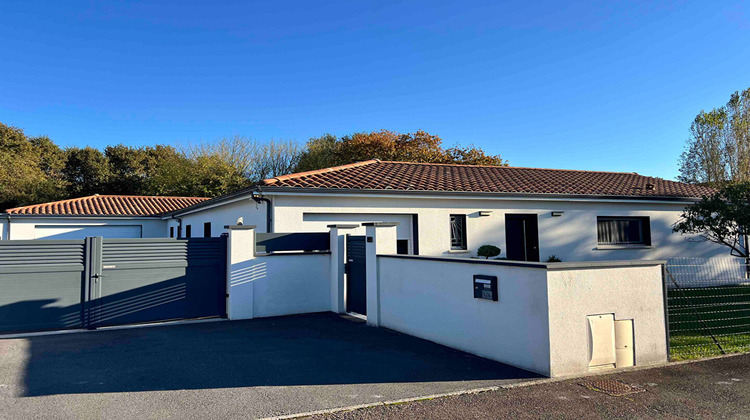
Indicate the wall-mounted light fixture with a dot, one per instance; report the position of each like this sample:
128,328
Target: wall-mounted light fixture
485,213
557,213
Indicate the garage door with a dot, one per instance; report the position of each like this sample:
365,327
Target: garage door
84,231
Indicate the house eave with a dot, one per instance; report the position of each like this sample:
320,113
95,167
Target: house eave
341,192
76,216
472,195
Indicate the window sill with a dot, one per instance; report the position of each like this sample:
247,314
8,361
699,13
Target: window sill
459,251
615,247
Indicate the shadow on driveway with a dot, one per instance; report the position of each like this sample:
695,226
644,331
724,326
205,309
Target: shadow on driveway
317,349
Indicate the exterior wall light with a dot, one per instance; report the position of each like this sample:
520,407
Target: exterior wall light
557,213
485,213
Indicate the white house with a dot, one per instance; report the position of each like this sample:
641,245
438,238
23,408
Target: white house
451,210
112,216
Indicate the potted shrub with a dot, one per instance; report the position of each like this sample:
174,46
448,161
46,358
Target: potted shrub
488,251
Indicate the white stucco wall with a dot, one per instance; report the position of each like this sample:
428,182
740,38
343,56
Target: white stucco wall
539,322
274,285
627,292
287,284
251,212
434,300
25,227
571,237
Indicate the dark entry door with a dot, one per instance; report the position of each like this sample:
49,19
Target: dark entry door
522,237
356,282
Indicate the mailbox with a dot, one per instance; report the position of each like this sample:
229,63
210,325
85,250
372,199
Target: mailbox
485,287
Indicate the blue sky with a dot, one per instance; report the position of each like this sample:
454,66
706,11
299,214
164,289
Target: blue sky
579,85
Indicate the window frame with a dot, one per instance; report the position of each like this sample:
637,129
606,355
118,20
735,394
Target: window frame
461,243
644,231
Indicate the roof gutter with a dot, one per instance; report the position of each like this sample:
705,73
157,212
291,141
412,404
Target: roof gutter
473,195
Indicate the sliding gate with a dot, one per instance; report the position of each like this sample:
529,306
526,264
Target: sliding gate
59,284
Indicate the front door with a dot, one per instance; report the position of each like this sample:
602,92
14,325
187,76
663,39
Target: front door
522,237
356,278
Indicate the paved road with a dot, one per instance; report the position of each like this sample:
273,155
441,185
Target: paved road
712,389
238,369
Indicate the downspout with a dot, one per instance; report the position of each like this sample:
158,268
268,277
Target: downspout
6,232
258,199
179,227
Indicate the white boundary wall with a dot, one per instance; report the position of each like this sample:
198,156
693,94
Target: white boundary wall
282,283
539,322
434,300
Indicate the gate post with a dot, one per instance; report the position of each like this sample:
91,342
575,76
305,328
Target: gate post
92,273
240,256
337,246
381,239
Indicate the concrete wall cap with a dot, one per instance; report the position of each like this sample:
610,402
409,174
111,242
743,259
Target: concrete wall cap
380,224
526,264
353,226
239,227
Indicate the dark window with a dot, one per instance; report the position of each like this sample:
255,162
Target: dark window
207,230
171,231
188,231
458,231
623,230
402,246
179,232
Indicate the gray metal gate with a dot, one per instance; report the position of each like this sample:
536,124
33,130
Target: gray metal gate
96,282
356,277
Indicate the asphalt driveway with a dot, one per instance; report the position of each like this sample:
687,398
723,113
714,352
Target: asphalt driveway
237,369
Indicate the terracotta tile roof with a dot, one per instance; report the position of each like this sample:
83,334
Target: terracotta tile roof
406,176
110,205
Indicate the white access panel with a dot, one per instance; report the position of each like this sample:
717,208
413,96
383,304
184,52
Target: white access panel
602,340
624,350
82,231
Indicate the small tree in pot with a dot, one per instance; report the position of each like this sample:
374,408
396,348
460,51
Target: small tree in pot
488,251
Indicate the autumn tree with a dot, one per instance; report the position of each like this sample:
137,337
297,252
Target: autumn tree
420,146
718,149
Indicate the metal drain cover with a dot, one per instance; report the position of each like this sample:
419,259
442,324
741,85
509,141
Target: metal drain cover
612,387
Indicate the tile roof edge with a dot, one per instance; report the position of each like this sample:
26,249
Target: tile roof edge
271,181
78,199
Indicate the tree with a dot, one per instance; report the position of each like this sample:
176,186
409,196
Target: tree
718,150
420,146
251,159
29,169
722,218
129,169
86,171
319,152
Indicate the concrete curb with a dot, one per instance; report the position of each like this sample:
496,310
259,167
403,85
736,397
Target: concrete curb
522,384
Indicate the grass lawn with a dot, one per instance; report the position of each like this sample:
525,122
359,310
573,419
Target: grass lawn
697,313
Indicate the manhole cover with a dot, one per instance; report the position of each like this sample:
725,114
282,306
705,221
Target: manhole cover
612,387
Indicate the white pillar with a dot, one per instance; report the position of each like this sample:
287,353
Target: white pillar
338,255
381,239
240,256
